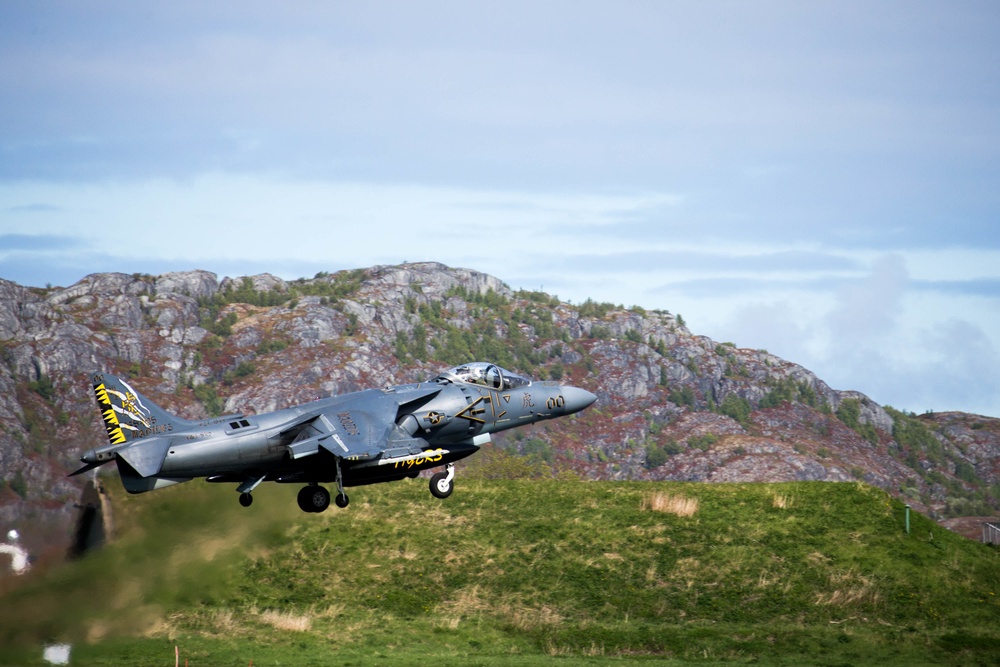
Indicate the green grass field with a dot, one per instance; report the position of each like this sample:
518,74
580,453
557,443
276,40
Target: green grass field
518,573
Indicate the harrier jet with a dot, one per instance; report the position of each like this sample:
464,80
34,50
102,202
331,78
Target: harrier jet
365,437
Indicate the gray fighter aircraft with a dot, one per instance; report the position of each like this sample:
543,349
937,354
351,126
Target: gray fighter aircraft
365,437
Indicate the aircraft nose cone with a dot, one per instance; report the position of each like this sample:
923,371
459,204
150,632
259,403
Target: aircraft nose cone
577,399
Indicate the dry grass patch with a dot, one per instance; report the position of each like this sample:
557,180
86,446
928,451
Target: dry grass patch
816,558
472,601
664,502
686,572
287,621
527,619
781,501
850,588
468,601
224,622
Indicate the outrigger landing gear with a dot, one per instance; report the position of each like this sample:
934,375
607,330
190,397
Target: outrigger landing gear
443,483
246,487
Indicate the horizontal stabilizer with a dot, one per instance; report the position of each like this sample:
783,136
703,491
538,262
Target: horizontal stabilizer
146,457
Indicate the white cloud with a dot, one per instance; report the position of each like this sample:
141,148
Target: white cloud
878,334
867,310
224,218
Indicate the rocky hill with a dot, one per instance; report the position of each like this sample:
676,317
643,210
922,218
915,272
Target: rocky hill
672,405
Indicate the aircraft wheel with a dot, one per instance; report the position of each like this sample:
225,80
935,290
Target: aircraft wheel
246,499
303,498
441,486
341,500
313,499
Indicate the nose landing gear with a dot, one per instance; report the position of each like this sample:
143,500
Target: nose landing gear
443,483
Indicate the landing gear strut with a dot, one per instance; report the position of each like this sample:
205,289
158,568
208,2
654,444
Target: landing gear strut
442,484
342,498
246,487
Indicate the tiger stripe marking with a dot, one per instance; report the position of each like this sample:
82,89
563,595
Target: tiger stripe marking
111,423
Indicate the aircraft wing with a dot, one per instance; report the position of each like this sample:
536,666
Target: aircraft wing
355,432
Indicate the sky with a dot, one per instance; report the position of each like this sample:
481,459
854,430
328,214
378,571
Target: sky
817,179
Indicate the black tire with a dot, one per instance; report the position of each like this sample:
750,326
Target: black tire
246,499
440,487
341,500
303,499
313,499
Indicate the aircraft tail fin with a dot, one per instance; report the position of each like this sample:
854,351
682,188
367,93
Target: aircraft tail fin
127,414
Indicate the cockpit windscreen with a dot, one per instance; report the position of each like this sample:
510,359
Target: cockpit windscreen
484,374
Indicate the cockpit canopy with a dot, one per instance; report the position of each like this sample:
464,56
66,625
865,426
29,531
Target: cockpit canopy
485,375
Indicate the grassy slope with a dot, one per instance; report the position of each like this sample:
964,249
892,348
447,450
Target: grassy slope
519,573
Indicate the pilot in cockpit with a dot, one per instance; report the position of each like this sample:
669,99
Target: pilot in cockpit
487,375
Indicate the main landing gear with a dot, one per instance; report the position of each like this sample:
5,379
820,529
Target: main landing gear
315,498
